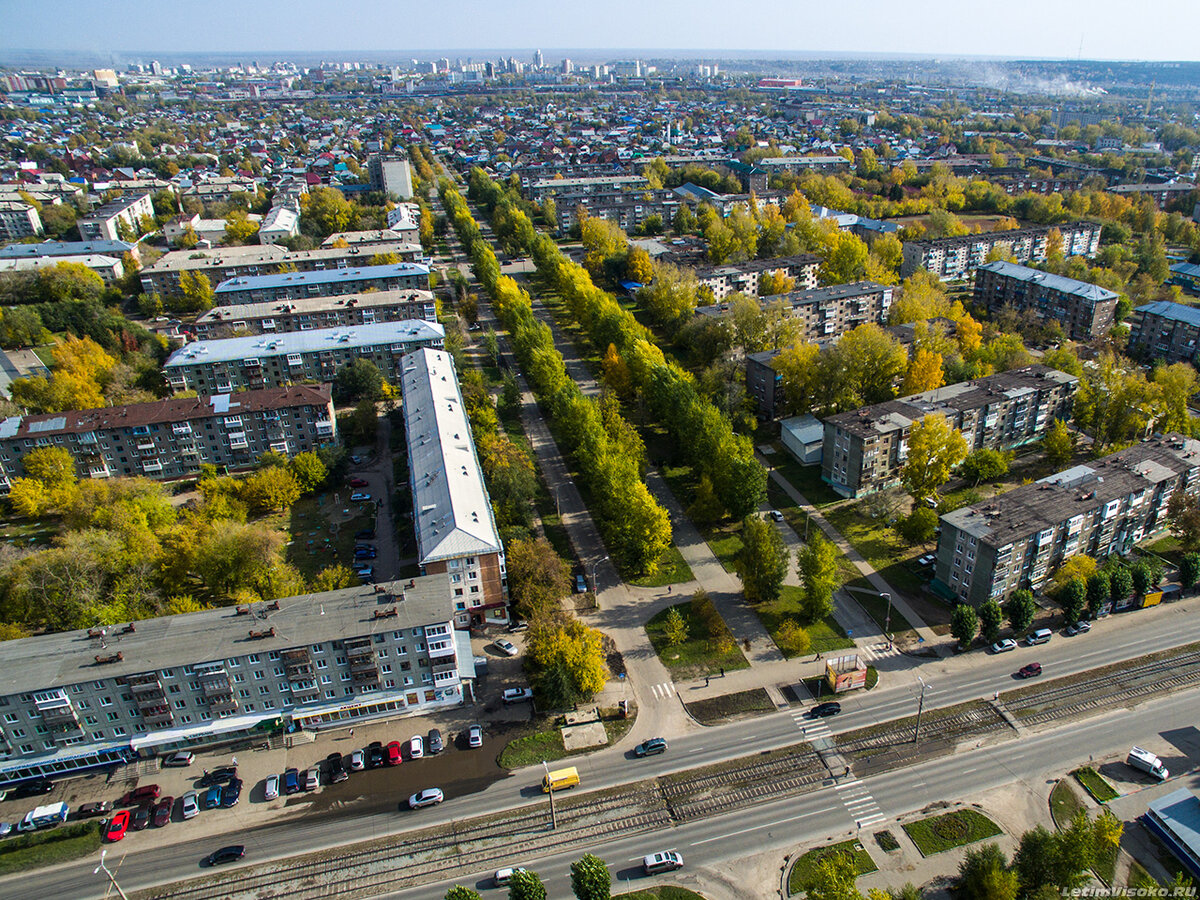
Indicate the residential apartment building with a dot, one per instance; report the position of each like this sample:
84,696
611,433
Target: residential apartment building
168,439
322,283
958,257
744,277
1161,193
1165,331
221,189
308,313
405,222
1085,311
405,244
539,190
281,223
457,539
115,249
106,267
391,173
1187,275
104,222
247,363
1018,539
84,699
18,220
764,384
827,313
865,449
629,210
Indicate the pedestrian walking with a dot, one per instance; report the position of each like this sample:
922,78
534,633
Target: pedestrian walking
722,671
996,696
706,681
668,588
351,732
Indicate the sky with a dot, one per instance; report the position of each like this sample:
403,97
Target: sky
1093,29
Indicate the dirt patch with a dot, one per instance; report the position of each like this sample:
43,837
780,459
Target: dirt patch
727,707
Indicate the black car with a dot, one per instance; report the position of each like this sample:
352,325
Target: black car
218,776
374,754
824,710
651,747
140,818
365,553
231,792
337,771
33,788
435,744
225,855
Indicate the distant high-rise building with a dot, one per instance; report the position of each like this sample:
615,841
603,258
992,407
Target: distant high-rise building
538,62
155,67
391,173
567,67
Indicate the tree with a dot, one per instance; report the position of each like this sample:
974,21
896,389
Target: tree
333,578
359,380
238,228
270,489
590,878
845,258
817,562
984,875
54,467
1183,518
791,638
1099,592
1121,583
309,470
526,885
984,464
675,629
638,266
763,560
1080,566
991,617
798,377
833,879
571,647
924,373
458,892
327,210
964,624
864,366
919,526
537,577
1072,598
934,449
1020,609
1142,578
1058,444
1189,570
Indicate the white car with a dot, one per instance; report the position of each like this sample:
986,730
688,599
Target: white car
427,797
504,876
1004,646
271,788
517,695
360,497
416,747
776,515
357,761
508,648
475,736
189,805
312,779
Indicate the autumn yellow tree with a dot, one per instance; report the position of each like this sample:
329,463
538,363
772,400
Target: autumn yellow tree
638,267
924,373
797,368
969,334
616,372
776,282
935,447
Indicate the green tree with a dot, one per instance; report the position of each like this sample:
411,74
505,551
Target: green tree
1121,583
1141,577
1072,599
309,470
791,638
991,617
1020,609
526,885
1189,570
864,367
1183,518
675,628
919,526
934,449
270,489
54,467
537,577
1058,444
984,464
833,879
238,228
458,892
571,648
333,578
590,878
1099,592
984,875
817,562
196,293
845,258
327,210
763,560
964,624
359,380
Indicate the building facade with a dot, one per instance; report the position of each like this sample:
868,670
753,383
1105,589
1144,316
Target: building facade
18,220
324,283
627,210
1165,331
744,277
457,540
115,249
1085,311
1187,275
539,190
82,699
250,363
1019,539
104,223
316,312
106,267
168,439
827,313
865,449
391,173
958,257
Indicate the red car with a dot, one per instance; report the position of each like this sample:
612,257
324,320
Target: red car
1030,670
392,752
358,482
117,826
147,793
162,811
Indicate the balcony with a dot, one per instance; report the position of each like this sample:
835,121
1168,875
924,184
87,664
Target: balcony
224,387
324,428
237,441
441,649
297,663
179,429
152,466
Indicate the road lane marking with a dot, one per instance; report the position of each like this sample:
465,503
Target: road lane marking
967,771
722,837
697,750
846,784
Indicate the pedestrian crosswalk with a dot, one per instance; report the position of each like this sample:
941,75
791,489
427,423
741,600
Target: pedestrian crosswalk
857,799
812,729
663,690
877,649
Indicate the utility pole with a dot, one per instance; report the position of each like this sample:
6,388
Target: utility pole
550,791
887,619
920,708
111,877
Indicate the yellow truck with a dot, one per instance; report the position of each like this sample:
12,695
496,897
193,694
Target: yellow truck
560,780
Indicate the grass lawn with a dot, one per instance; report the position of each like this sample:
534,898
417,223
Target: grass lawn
955,829
1095,784
1167,547
716,710
825,635
877,608
1139,877
543,740
696,656
1064,803
46,848
320,534
672,569
661,892
804,868
726,544
879,545
805,479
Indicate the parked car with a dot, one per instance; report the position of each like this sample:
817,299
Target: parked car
147,793
103,808
580,584
475,736
366,574
517,695
6,828
140,817
776,515
357,762
217,776
435,742
508,648
231,793
504,876
189,805
375,754
225,855
358,482
271,788
651,747
517,625
825,710
291,781
365,534
312,779
212,797
365,553
416,747
1004,646
179,760
364,547
1081,627
33,788
359,497
393,753
162,811
117,826
927,560
1030,671
337,771
427,797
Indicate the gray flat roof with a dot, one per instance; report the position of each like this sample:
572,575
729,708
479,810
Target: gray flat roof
67,248
320,276
1060,283
1176,312
55,660
1179,812
408,331
268,308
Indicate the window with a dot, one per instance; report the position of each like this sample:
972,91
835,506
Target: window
91,720
264,690
238,678
106,701
119,731
18,732
10,718
174,689
259,675
180,704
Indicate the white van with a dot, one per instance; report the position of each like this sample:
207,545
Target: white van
1145,761
504,876
1041,636
663,861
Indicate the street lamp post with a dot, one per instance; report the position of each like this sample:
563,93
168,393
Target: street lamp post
596,587
887,619
920,708
557,506
550,791
111,877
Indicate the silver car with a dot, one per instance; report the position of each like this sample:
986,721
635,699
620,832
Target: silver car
271,788
189,805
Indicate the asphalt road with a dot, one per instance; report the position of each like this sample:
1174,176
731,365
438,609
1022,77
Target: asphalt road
952,681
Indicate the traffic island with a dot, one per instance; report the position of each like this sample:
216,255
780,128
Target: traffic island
50,847
954,829
661,892
804,868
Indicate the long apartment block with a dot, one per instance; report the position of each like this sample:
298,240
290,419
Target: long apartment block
744,277
456,533
168,439
1085,311
826,313
1165,331
247,363
305,314
104,223
1019,539
322,283
958,257
80,700
865,449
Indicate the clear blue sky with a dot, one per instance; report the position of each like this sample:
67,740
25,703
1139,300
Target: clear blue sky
1108,29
